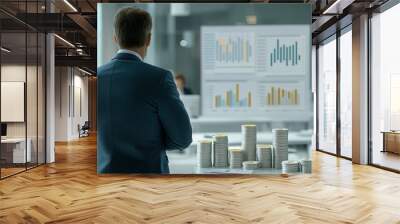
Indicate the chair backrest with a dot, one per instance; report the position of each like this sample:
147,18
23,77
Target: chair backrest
86,125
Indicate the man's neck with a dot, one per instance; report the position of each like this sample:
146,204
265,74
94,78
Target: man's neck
139,51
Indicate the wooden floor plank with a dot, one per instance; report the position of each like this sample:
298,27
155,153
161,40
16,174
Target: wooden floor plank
70,191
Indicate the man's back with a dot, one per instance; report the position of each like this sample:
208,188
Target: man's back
140,116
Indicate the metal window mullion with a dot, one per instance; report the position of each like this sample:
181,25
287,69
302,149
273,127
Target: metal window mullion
369,81
45,95
73,92
26,86
317,97
37,90
338,98
69,92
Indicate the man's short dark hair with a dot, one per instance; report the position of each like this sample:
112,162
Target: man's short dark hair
132,27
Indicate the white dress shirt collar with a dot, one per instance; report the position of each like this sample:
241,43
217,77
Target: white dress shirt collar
130,52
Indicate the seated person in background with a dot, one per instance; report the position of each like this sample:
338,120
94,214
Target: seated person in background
180,82
140,114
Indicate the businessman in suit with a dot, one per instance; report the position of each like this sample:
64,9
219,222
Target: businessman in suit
140,114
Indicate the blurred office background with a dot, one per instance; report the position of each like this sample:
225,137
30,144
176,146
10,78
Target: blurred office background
176,32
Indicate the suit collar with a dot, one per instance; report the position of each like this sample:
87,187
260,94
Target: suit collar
130,52
126,56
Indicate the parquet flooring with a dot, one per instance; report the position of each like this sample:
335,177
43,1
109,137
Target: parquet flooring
70,191
10,171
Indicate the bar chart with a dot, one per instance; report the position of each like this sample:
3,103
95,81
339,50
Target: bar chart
281,94
233,98
285,55
234,49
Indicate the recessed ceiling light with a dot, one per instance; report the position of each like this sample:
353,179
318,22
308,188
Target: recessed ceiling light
5,50
84,71
70,5
183,43
64,40
335,7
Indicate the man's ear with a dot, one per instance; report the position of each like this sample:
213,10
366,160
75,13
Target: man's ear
115,39
148,40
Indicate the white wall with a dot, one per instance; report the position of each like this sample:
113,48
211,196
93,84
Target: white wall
61,103
80,84
70,83
17,73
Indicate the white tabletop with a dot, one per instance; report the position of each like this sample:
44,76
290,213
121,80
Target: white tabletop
244,119
186,163
235,138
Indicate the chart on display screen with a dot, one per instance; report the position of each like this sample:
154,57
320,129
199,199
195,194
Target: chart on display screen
234,50
255,69
230,96
281,95
285,55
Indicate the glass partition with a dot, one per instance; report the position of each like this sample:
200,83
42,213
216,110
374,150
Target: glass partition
22,90
346,93
327,95
14,153
385,89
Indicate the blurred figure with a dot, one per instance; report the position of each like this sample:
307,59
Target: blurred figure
180,82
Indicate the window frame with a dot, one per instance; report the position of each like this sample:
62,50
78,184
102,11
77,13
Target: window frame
339,32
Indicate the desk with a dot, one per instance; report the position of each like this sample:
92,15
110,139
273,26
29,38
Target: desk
391,141
13,150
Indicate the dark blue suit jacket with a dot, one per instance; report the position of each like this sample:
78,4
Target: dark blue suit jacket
140,116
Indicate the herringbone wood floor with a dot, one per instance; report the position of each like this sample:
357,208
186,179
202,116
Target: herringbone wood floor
70,191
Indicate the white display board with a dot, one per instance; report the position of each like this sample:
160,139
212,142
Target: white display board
260,70
12,101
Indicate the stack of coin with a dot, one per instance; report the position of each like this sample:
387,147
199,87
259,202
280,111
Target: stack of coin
220,150
249,141
235,157
251,165
306,166
290,166
280,144
264,155
204,150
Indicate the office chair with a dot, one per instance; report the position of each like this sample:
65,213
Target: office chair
84,130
